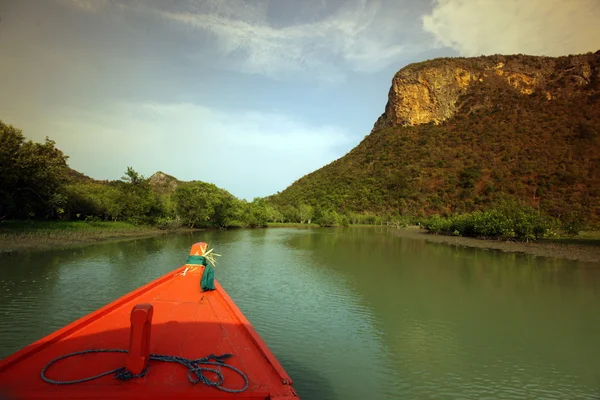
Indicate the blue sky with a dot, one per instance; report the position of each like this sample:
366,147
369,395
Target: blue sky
249,95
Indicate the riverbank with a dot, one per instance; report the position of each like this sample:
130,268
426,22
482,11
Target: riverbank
290,225
585,248
18,236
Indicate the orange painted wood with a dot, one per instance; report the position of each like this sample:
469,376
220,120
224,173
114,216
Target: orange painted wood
185,322
138,356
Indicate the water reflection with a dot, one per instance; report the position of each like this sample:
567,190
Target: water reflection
353,313
484,314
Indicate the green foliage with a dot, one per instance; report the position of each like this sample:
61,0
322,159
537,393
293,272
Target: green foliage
94,199
438,225
273,214
501,143
167,223
139,202
31,178
195,203
290,213
257,213
131,176
328,218
26,235
228,210
168,206
132,200
37,183
399,221
573,223
305,213
520,223
200,204
34,226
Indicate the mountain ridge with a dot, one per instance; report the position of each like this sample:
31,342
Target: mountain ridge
428,91
462,134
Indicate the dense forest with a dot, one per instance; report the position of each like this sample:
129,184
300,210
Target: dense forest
513,161
37,183
533,150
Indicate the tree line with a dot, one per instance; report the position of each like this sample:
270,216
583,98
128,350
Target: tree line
36,183
500,143
193,205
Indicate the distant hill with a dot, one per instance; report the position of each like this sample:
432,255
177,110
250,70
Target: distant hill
162,183
459,134
78,177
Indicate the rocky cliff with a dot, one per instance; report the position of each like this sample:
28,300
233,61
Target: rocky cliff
163,183
430,91
461,134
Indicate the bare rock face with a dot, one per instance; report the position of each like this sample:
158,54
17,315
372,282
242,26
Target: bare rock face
163,183
429,92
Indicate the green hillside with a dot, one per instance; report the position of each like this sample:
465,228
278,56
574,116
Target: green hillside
515,137
500,144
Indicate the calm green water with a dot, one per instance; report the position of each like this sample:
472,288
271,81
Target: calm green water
353,313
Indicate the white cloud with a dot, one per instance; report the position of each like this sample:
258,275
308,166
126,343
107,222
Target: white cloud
359,35
234,150
537,27
355,35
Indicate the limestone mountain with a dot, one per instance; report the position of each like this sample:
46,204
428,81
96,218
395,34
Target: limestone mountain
459,134
163,183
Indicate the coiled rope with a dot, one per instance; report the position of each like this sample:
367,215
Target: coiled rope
195,369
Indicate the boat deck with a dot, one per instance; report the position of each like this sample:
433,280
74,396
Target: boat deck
185,323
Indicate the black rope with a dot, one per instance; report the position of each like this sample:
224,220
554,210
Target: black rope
195,369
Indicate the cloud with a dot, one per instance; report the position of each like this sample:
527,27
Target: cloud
234,150
353,35
359,35
90,6
537,27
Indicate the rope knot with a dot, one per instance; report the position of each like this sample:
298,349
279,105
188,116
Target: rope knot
196,369
124,374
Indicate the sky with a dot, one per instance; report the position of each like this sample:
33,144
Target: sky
248,95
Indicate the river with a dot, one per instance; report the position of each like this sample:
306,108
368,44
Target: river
353,313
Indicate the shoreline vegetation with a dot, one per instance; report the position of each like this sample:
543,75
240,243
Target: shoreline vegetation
45,204
584,248
17,236
291,225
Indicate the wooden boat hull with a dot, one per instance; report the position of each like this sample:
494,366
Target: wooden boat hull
185,322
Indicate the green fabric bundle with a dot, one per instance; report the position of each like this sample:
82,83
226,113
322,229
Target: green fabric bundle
208,276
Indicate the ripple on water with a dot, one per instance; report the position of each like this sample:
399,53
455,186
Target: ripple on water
418,322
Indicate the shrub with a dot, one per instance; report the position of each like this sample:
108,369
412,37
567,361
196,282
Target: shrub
437,224
328,218
521,223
